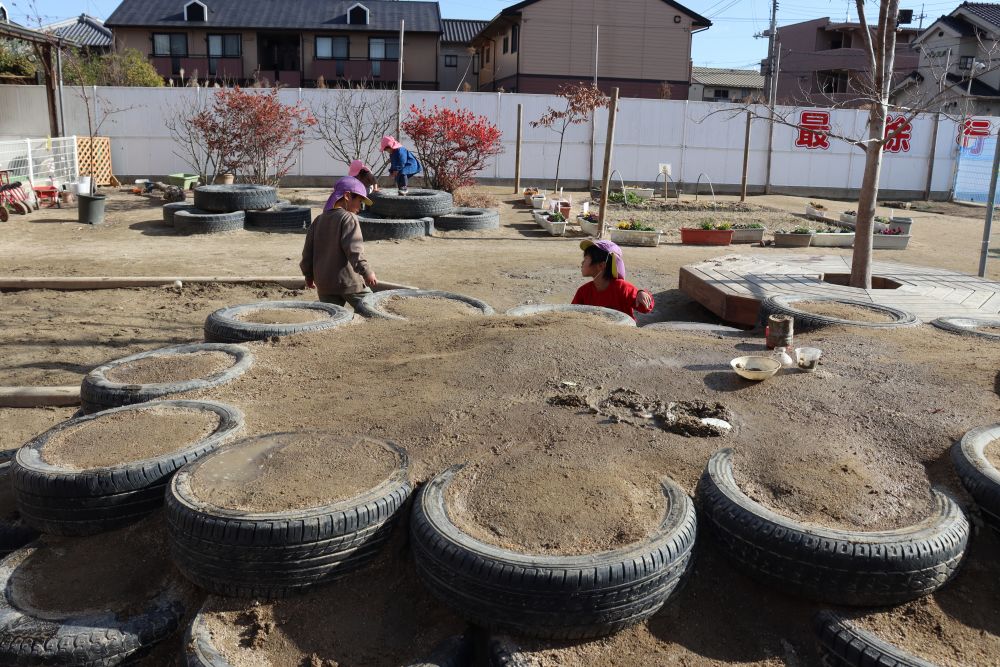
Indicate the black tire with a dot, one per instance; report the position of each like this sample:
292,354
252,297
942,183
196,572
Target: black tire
416,203
193,222
969,326
88,640
468,219
170,209
846,645
229,198
375,228
784,304
276,554
613,316
99,393
13,533
979,477
550,597
223,326
829,565
280,217
373,305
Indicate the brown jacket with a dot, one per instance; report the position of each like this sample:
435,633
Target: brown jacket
334,254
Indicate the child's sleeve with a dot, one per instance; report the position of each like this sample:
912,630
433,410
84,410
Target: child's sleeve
635,296
353,245
306,265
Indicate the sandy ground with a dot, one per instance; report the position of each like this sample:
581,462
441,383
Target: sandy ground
858,443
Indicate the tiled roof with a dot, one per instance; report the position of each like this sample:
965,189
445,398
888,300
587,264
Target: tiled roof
958,24
460,31
987,11
727,78
979,89
280,14
84,30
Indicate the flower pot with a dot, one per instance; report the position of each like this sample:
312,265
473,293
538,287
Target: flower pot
642,193
901,223
91,209
587,226
183,181
634,237
890,241
564,208
540,217
849,219
790,240
694,236
227,179
816,213
832,240
538,201
748,235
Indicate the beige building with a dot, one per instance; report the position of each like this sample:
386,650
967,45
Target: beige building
642,47
294,42
715,84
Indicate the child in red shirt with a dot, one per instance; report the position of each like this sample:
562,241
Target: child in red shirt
602,261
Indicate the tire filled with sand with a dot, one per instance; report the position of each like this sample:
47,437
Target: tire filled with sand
282,316
843,311
429,308
169,369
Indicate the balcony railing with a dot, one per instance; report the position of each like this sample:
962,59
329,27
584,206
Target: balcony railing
206,67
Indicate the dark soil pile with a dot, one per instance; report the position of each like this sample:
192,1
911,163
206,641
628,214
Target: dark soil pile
993,453
293,471
172,368
424,308
131,435
116,572
377,617
843,311
541,504
283,316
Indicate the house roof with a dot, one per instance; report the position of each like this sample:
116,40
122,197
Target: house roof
979,89
727,78
460,31
280,14
958,24
987,11
84,30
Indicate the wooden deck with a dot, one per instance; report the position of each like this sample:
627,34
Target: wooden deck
732,287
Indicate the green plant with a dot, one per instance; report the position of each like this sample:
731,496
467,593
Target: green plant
556,217
16,58
724,226
627,198
749,225
591,217
881,218
835,230
802,230
817,206
127,67
706,225
635,226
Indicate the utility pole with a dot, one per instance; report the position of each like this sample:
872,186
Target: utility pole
771,34
922,17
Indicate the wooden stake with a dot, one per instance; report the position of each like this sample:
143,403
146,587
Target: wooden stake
517,150
746,159
608,152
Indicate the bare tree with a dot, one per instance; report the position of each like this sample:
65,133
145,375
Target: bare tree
581,101
189,142
351,121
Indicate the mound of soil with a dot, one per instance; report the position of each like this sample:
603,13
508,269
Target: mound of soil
423,308
540,504
130,435
377,617
957,626
283,316
117,571
993,453
172,368
292,471
844,311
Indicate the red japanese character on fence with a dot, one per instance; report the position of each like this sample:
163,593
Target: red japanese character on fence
813,129
898,133
973,133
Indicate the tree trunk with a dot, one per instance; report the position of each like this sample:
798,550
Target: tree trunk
861,262
559,158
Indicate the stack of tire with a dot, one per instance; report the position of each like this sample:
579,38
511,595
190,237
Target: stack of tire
226,208
418,213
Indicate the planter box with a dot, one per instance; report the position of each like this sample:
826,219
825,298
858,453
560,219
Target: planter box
816,214
789,240
832,240
694,236
890,241
527,199
538,201
633,237
587,227
553,228
539,216
183,181
748,235
849,219
642,193
901,223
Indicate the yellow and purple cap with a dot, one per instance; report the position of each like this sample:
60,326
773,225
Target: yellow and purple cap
614,252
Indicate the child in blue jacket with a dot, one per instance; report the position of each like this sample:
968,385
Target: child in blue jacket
402,163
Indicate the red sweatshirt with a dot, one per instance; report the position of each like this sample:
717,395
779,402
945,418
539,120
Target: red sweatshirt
619,295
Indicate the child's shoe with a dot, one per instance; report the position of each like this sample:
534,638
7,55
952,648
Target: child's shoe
403,191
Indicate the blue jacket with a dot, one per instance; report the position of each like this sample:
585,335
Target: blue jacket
404,162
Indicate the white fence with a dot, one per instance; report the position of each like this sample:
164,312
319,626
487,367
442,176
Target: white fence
40,161
696,138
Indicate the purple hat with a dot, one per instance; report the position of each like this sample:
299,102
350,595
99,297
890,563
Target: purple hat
617,262
345,185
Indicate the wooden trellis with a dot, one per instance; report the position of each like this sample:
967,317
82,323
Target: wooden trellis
101,166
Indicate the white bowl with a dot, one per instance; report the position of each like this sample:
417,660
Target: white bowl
755,368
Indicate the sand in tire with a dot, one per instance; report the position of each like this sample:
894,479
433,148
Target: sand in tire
169,369
282,316
425,308
843,311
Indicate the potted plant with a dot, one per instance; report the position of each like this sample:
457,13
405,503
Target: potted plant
880,223
641,193
890,239
816,210
748,232
589,223
800,237
633,232
901,223
554,223
849,217
528,194
708,233
833,237
564,207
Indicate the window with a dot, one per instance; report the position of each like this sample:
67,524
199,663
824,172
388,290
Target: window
451,61
515,38
506,44
328,48
486,56
721,94
170,44
3,15
475,63
224,46
965,62
376,68
383,48
357,15
195,11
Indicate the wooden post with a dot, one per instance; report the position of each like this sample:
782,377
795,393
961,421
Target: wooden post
399,88
50,90
608,151
517,149
746,159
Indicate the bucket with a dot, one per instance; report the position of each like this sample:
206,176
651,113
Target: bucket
83,185
91,209
807,358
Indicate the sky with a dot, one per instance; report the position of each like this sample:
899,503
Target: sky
730,42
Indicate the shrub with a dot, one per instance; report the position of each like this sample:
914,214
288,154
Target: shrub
453,144
127,67
802,230
556,217
627,198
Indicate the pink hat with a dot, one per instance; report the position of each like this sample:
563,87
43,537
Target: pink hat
614,254
357,166
343,186
389,143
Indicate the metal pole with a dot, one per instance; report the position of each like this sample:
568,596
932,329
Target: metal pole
517,149
990,207
593,117
399,90
608,151
746,160
31,165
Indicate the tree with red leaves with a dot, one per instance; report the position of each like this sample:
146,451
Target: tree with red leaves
453,144
581,101
253,135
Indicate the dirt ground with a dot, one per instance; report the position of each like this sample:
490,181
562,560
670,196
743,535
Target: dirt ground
858,443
